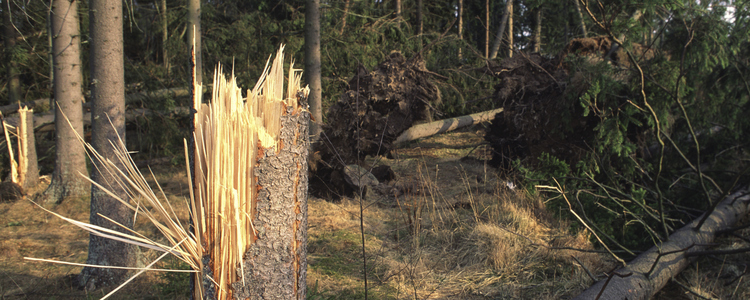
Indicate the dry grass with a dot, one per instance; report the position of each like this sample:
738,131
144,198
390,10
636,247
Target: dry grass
451,230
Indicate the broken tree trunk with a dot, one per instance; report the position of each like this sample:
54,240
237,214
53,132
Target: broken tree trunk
28,173
442,126
650,271
251,188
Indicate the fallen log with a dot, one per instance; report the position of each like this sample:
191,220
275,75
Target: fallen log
649,272
441,126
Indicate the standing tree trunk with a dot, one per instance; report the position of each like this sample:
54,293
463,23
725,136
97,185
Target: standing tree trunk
501,31
107,126
344,17
510,28
584,32
312,64
164,34
194,36
460,27
487,29
70,156
28,174
398,8
14,84
537,34
420,22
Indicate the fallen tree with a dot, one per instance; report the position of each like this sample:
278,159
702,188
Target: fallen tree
442,126
649,272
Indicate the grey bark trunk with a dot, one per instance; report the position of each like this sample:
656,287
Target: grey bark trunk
70,156
501,31
194,36
107,126
650,271
312,64
276,264
487,29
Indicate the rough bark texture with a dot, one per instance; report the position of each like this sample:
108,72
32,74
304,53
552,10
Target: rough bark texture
501,30
275,266
312,64
107,125
27,163
14,84
441,126
70,157
639,281
194,36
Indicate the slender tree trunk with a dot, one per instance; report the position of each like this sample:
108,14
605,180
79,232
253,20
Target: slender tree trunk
14,84
312,64
487,29
398,8
194,36
344,17
501,31
50,56
164,34
584,32
107,126
510,28
420,22
460,28
537,38
70,156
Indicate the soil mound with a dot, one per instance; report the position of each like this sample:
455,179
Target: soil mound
542,113
376,108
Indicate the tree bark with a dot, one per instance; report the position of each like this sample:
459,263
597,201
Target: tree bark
107,126
275,266
312,64
14,84
344,17
70,156
460,28
487,29
164,34
649,272
194,36
537,38
420,22
28,174
510,28
398,8
441,126
501,30
582,24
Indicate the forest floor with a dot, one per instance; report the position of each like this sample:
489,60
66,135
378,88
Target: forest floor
452,228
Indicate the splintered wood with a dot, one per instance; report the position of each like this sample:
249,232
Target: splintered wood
230,134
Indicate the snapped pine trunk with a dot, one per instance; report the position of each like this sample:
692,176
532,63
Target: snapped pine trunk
250,188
